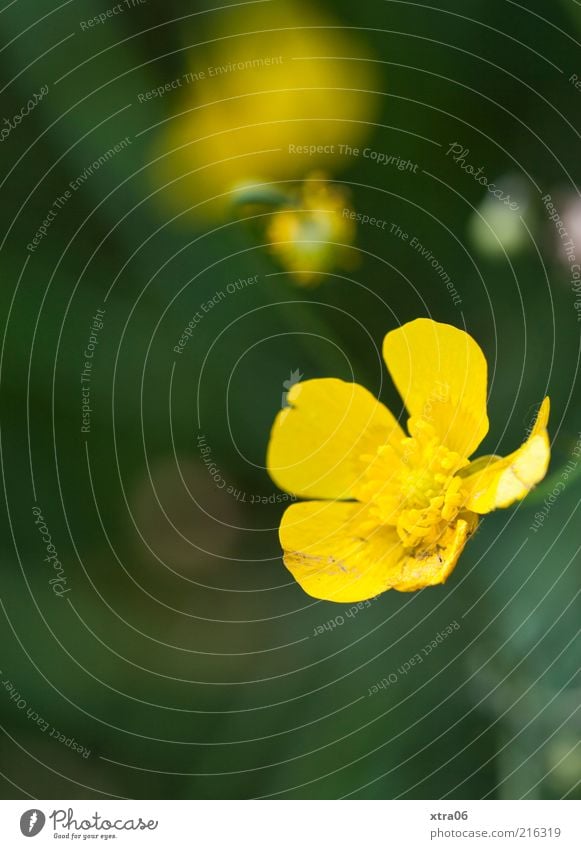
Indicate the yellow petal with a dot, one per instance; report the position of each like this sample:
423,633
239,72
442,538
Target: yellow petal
317,444
440,372
501,481
337,554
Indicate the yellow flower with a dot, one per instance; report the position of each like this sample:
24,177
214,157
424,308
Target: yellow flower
394,511
271,93
315,233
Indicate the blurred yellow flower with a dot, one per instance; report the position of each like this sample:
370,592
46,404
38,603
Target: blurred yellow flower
270,97
394,511
315,233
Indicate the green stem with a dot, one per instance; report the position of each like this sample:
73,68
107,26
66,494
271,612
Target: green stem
263,195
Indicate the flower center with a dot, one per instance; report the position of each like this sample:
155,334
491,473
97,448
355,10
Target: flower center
417,491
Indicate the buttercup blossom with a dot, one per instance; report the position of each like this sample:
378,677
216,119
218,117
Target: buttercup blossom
391,510
274,93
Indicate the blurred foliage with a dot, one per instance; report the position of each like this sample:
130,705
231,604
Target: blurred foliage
184,656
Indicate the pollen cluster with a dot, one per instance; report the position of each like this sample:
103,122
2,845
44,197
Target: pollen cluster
416,490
